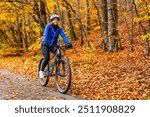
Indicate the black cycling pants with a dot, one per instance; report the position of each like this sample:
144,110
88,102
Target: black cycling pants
46,49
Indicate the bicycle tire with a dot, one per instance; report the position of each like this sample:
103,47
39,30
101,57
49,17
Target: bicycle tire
47,76
63,91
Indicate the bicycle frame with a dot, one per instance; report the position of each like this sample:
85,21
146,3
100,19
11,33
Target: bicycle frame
57,56
60,64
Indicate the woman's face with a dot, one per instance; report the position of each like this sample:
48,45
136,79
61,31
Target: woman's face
55,21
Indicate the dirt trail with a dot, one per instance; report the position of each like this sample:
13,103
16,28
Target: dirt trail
18,87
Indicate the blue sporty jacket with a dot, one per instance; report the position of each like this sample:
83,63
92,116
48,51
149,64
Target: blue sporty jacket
51,36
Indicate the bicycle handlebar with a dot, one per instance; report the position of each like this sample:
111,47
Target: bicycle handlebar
63,48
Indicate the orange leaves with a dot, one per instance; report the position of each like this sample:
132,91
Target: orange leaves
101,76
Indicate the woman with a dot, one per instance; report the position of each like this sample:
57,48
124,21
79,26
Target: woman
50,40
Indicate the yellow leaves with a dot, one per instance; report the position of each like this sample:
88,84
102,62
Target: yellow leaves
92,48
145,18
9,11
88,53
147,36
12,51
97,28
27,9
36,46
51,5
143,10
2,48
138,1
141,1
138,19
2,16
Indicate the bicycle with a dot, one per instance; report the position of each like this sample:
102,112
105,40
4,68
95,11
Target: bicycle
62,71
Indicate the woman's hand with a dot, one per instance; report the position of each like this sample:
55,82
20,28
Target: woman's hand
69,46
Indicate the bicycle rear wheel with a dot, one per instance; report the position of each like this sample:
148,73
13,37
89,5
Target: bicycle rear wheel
44,81
63,75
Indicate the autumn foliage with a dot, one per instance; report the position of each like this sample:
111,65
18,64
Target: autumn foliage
97,74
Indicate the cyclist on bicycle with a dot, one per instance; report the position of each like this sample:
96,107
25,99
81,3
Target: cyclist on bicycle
49,43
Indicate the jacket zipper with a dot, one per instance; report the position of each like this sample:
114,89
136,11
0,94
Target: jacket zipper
54,35
53,38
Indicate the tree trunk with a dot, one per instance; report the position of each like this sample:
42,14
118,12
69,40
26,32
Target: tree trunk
148,30
25,37
6,38
31,41
142,27
70,25
19,25
80,26
16,42
84,32
104,21
132,25
46,7
112,25
140,23
60,14
40,16
128,5
43,13
98,14
87,8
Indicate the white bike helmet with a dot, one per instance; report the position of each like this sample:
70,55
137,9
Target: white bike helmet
54,16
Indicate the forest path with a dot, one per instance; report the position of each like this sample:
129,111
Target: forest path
17,87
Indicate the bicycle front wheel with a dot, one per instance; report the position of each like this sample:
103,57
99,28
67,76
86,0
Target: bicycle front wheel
63,75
